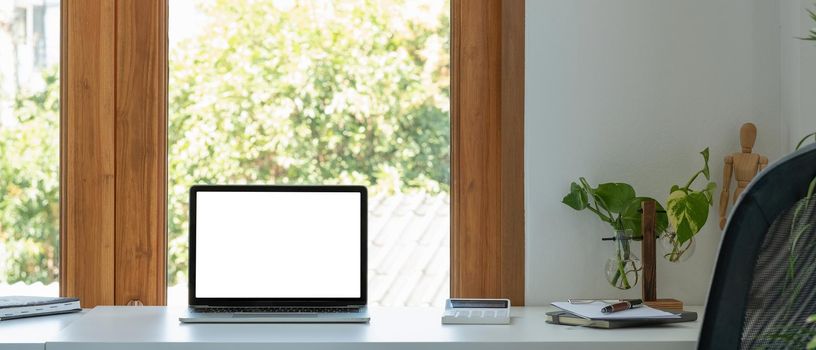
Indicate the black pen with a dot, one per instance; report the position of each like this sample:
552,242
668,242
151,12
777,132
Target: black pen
623,305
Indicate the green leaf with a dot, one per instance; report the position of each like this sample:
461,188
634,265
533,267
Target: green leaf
674,188
812,35
706,170
632,217
811,319
687,213
615,196
577,198
709,192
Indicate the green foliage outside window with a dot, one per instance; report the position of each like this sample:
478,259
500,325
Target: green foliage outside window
29,186
308,92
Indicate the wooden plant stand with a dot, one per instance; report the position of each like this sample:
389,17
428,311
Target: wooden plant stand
648,227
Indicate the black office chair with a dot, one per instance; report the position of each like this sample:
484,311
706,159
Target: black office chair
764,285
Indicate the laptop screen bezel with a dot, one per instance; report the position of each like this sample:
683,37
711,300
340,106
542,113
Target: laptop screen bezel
195,301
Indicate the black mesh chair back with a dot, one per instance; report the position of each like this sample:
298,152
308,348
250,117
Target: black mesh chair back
764,284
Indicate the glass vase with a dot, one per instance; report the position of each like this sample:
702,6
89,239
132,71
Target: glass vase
623,267
673,250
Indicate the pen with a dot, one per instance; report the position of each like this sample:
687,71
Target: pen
623,305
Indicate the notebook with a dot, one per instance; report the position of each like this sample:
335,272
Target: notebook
593,311
20,306
566,318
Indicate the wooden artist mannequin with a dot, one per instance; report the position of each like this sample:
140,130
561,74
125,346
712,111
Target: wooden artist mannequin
744,165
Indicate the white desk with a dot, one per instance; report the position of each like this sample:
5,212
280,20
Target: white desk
31,333
120,328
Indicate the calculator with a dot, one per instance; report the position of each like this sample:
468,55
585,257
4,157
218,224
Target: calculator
476,311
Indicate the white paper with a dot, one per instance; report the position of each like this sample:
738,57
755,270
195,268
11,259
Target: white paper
593,311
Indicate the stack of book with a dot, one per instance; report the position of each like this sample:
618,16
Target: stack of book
18,306
590,315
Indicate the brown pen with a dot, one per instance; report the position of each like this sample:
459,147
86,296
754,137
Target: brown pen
623,305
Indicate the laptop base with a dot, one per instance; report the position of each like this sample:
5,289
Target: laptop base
192,316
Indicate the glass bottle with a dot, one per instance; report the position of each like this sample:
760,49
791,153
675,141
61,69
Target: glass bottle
623,267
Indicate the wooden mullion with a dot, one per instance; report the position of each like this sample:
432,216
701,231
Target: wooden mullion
141,153
512,147
86,154
113,151
487,118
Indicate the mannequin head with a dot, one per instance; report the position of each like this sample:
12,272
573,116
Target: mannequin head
748,134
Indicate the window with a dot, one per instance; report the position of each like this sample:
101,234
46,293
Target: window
114,211
29,148
304,92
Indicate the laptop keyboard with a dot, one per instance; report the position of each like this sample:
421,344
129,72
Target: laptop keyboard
278,309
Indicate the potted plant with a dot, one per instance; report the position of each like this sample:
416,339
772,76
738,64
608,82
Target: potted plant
617,205
687,211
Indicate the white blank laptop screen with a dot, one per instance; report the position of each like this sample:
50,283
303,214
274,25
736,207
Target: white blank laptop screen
277,245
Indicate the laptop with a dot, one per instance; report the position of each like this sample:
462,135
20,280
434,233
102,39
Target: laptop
277,254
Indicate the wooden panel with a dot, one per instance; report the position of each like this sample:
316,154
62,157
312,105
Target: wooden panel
475,241
487,102
141,123
512,146
86,155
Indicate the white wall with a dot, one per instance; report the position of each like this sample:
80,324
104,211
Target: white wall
631,90
798,71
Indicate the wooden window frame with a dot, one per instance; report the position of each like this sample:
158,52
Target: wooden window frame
113,150
487,144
